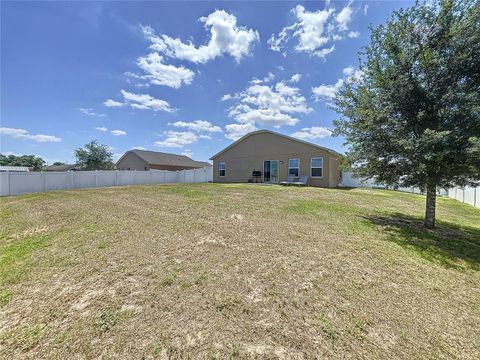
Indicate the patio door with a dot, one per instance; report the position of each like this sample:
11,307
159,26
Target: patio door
270,171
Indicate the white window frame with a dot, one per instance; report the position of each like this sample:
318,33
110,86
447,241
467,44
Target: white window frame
316,167
297,167
220,169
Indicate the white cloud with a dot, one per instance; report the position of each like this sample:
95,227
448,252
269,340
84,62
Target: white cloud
198,126
344,17
101,128
159,73
187,152
145,101
236,131
353,34
315,31
227,97
139,148
225,38
296,78
176,139
90,112
118,132
272,105
113,103
315,132
327,92
25,134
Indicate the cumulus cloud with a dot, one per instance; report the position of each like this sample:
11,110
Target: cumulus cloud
296,78
101,128
118,132
327,92
113,103
315,31
198,126
187,152
90,112
236,131
139,148
145,101
25,134
158,73
353,34
226,37
312,133
272,105
177,139
344,17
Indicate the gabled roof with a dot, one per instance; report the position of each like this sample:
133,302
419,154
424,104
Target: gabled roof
63,167
333,152
160,158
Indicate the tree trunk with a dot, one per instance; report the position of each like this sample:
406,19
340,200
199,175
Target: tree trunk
429,222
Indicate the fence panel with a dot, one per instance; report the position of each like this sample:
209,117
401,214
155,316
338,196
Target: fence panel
57,180
106,178
158,176
13,183
4,184
171,177
84,179
21,183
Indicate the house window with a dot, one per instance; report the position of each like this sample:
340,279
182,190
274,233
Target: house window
293,167
316,167
221,168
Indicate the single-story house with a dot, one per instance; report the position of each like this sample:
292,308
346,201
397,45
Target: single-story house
143,160
62,167
269,157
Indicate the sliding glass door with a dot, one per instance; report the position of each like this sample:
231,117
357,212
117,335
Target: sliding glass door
270,171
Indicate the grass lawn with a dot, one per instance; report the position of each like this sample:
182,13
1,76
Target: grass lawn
237,271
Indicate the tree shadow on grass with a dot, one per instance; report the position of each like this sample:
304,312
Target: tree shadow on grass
449,245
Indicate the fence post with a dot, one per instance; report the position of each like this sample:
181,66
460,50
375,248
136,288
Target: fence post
194,173
8,172
116,177
95,178
44,187
72,182
150,177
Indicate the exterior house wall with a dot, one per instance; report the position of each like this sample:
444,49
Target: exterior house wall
249,154
132,162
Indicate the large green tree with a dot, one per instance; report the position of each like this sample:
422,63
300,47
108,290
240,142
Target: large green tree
31,161
413,117
94,156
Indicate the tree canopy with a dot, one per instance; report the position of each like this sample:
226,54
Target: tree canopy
94,156
31,161
413,115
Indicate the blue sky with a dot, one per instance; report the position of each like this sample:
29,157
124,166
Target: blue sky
181,77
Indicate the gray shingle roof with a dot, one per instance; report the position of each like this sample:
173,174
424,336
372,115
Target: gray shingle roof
160,158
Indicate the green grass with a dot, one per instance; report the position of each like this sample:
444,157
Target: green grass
237,271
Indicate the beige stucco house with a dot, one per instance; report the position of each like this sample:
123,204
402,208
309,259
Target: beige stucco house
276,156
143,160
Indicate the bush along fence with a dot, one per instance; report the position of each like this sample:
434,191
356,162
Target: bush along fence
15,183
468,195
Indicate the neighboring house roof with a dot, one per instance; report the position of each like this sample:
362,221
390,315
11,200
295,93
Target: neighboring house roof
63,167
160,158
333,152
14,168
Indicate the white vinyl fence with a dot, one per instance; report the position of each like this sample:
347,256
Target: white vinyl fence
468,195
15,183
